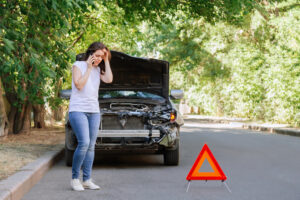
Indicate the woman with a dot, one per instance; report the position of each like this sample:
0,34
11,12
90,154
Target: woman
84,112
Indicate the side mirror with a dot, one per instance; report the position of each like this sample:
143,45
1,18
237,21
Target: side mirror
176,94
80,57
65,94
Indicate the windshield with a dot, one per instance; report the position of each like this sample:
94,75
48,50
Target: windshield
128,94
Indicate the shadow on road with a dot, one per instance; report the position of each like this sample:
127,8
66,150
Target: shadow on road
128,161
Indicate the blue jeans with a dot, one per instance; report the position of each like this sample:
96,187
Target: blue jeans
86,127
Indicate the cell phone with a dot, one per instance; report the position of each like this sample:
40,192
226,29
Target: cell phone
93,61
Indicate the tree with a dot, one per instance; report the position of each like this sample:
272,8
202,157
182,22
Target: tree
231,11
3,117
39,39
236,58
33,44
246,69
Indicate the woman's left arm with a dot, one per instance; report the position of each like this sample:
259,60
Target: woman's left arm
107,77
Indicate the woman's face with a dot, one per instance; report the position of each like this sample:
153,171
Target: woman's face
98,55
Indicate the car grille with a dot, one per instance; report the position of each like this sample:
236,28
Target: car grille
112,122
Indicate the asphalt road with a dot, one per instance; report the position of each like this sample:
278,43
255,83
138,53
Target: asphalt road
258,166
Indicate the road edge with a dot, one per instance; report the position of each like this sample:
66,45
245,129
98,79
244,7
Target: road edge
239,123
18,184
283,131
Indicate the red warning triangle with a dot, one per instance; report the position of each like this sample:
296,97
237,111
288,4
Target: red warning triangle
217,173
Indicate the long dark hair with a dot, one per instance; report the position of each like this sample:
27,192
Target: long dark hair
93,48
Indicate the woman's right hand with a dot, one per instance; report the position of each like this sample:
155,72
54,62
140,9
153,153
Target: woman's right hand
90,61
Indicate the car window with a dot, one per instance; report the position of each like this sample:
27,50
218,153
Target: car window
128,94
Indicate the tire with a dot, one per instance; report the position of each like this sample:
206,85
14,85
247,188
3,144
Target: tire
171,157
68,156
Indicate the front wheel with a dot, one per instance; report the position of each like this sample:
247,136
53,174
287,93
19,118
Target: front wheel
68,156
171,157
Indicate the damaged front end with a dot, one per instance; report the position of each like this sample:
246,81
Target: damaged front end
125,126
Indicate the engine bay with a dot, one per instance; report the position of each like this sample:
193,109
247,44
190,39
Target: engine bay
152,116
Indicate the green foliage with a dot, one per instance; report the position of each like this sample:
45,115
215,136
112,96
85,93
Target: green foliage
264,62
231,57
33,46
108,24
232,11
245,69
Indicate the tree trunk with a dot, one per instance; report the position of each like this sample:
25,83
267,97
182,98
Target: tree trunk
22,122
3,116
11,119
19,120
39,116
12,100
58,113
19,116
27,120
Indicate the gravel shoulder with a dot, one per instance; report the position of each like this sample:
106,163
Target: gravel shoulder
18,150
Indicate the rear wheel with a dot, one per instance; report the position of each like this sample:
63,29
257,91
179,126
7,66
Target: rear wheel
171,157
68,156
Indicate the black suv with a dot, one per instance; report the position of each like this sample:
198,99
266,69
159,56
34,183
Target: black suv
137,114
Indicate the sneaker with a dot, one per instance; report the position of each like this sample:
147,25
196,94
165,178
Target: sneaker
76,185
90,185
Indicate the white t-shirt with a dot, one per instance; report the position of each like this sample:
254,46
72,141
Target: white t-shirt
86,99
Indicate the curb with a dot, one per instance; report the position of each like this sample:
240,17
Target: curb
17,185
239,124
284,131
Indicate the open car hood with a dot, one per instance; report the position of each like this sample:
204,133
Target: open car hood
137,74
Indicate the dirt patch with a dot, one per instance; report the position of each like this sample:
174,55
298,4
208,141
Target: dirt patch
19,150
